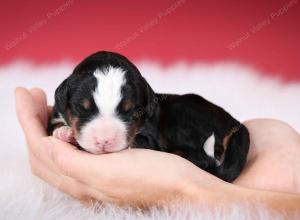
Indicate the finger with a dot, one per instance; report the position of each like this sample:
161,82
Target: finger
29,120
78,166
32,126
49,109
29,104
28,115
43,172
40,100
23,98
63,183
71,161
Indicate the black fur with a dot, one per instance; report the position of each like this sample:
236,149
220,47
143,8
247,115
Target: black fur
171,123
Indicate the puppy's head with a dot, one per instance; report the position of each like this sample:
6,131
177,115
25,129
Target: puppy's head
104,101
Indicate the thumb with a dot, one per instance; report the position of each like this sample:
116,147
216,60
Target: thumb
69,160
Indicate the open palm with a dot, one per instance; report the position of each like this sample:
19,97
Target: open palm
137,175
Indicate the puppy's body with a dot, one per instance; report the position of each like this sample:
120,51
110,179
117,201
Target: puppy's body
203,133
109,106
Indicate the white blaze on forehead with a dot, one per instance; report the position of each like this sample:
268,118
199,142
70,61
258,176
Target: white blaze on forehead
106,132
107,95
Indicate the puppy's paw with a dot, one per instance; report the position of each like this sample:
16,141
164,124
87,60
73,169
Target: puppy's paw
64,133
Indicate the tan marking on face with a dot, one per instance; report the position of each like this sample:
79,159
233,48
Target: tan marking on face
74,126
132,132
73,121
127,105
228,136
86,103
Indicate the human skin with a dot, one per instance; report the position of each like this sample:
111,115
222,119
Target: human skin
273,160
141,177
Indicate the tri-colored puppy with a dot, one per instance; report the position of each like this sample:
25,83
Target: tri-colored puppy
105,106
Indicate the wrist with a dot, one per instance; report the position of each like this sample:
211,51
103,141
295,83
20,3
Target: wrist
199,187
223,194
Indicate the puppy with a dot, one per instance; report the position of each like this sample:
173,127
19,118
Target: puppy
105,106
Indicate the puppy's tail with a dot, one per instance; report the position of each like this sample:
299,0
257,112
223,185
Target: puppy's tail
235,154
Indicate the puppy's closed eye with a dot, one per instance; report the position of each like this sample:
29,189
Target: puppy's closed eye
83,106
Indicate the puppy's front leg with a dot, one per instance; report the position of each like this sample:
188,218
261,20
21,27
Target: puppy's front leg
64,133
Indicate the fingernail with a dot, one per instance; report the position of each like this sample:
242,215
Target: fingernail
48,145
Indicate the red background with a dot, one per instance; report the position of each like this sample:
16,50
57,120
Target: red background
190,30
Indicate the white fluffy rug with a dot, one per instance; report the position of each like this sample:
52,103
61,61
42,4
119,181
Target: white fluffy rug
239,89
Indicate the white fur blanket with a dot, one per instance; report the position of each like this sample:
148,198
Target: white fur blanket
239,89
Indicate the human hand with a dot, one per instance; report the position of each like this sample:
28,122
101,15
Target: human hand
132,177
273,160
33,114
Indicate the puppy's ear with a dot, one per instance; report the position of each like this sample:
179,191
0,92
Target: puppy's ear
62,95
151,103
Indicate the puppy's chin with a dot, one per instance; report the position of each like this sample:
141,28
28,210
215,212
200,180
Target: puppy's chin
96,150
89,146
